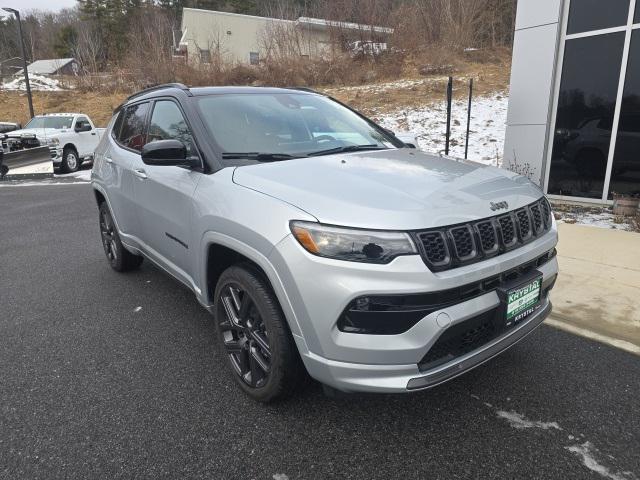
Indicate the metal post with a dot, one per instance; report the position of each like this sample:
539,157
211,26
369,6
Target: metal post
24,58
466,145
449,100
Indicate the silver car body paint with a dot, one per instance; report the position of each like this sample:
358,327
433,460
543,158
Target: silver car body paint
248,209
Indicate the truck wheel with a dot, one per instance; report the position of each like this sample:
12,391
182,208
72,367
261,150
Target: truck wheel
120,259
255,336
70,160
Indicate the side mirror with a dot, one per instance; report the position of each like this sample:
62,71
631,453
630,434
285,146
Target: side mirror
83,128
168,153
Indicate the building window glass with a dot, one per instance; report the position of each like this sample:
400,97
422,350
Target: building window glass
254,58
586,106
205,56
625,172
588,15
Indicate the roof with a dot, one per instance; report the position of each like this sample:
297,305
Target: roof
49,67
59,114
306,21
319,22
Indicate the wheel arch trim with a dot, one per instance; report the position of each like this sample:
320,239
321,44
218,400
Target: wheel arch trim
210,238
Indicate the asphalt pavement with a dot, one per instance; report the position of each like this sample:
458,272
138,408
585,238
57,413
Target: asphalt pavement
107,375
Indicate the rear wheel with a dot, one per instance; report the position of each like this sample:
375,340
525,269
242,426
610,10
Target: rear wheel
255,336
118,257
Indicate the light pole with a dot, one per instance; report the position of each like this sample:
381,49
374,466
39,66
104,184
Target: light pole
24,57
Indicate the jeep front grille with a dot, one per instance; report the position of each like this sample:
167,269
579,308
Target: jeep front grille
458,245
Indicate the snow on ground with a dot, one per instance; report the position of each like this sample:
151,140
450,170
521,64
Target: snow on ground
83,175
37,82
386,86
429,122
594,217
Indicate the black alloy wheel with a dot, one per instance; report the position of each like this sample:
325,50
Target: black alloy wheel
245,336
118,257
255,336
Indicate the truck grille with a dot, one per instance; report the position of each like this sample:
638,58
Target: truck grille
458,245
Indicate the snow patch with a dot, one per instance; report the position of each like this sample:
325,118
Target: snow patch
84,175
518,421
587,452
37,82
429,122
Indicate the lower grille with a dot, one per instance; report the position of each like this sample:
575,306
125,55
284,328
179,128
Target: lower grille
463,338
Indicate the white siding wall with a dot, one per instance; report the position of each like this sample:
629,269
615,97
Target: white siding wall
532,77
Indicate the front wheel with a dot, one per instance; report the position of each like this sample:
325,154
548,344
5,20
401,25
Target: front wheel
255,336
70,160
120,259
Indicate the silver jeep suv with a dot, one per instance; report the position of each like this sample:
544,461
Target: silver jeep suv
320,243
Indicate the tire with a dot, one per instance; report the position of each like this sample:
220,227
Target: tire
254,334
70,160
120,259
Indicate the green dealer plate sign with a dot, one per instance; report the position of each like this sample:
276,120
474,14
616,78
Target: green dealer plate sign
521,302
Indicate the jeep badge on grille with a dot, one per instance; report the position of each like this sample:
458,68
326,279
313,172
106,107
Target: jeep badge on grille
499,206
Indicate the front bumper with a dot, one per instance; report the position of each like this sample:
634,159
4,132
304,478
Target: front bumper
319,289
56,154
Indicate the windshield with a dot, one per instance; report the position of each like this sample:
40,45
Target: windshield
59,123
290,125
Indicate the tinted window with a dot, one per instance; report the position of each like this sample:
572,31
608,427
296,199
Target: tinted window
625,172
637,15
293,124
167,123
57,122
132,134
587,15
117,125
82,122
586,105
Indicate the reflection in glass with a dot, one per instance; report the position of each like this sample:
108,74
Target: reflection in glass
625,172
589,15
586,105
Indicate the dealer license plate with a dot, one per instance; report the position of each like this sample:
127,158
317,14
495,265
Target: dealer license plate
522,301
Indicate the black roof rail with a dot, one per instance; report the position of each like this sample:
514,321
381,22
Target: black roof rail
160,87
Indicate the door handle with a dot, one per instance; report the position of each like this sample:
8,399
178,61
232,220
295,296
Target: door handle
108,159
139,172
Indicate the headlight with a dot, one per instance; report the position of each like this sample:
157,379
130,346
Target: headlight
53,141
368,246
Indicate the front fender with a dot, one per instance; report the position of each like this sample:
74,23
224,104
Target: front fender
210,238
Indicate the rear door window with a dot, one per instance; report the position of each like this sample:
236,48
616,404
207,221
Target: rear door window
133,132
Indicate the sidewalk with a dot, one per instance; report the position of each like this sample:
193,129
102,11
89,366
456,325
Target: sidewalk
598,290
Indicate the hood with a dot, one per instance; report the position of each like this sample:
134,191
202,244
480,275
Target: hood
390,189
40,133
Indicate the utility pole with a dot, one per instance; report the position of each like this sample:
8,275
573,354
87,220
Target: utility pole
24,58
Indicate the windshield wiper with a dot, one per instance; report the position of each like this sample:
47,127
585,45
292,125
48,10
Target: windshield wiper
348,148
260,157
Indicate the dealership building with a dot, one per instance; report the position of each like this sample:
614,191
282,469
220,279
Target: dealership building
574,110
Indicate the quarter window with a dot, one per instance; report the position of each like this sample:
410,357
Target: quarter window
167,123
132,134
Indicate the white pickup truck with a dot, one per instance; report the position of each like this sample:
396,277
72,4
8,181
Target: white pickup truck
71,138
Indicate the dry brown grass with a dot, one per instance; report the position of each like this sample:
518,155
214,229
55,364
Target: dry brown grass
99,106
360,87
